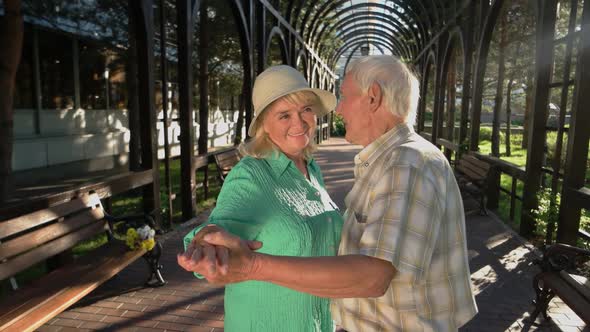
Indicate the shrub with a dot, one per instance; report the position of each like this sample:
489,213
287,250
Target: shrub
485,134
547,213
338,128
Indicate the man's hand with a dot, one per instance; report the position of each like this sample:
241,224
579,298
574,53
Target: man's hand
221,259
240,264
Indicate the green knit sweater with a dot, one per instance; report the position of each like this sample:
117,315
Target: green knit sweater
269,200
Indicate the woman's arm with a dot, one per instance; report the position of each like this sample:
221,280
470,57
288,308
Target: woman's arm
234,212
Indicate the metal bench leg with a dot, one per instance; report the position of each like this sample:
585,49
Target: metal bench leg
544,296
153,259
482,205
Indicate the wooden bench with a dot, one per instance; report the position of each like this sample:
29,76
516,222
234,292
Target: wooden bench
558,277
38,236
472,177
225,161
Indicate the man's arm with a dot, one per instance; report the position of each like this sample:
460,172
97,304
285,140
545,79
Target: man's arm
333,277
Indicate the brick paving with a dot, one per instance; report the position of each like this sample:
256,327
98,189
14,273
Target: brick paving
500,263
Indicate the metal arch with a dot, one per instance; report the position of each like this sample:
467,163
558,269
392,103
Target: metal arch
195,5
438,14
431,8
326,82
399,15
323,80
290,6
307,14
454,41
383,42
372,39
376,39
314,74
423,10
377,45
427,68
315,27
383,28
401,45
353,42
301,55
367,33
238,11
404,32
380,17
363,16
293,22
282,45
442,30
455,38
314,24
480,68
356,47
309,9
266,7
380,33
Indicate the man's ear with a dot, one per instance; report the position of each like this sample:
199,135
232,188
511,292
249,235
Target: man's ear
375,97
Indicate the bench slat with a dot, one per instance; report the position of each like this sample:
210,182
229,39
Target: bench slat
48,233
479,163
568,294
226,161
476,170
52,248
19,224
467,171
580,283
58,290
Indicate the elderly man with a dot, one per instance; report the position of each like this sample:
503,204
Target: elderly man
402,263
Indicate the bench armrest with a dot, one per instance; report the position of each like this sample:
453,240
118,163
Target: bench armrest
561,256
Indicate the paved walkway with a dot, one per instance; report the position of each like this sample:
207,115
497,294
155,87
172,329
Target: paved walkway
500,263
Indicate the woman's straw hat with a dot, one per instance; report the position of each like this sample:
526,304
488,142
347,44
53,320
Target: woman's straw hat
279,81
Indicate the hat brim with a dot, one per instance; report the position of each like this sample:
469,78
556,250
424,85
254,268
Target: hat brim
327,99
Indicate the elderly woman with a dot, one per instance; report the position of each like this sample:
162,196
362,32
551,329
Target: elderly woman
275,195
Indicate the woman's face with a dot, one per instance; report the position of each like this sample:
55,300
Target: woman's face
290,126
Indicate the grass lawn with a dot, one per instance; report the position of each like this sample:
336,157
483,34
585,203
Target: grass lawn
518,158
130,202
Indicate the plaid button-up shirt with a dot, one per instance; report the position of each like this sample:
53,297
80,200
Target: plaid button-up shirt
405,207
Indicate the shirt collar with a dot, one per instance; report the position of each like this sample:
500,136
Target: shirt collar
279,162
391,138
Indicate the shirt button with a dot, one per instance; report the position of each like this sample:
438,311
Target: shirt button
317,193
366,164
329,219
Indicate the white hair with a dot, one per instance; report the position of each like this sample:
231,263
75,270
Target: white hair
399,86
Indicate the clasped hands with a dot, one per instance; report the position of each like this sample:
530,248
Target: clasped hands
220,257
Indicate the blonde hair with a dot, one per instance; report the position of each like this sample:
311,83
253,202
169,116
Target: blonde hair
260,146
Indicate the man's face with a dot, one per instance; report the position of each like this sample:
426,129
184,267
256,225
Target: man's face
353,106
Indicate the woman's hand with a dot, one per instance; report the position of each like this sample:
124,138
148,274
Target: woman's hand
226,259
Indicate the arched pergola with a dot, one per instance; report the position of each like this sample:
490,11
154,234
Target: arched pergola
322,38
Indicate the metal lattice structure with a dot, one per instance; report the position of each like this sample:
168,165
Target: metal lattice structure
478,62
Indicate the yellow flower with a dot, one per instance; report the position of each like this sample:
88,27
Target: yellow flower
132,238
148,244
